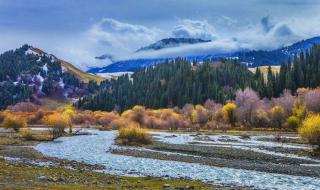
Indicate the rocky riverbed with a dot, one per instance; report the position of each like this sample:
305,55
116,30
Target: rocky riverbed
23,167
230,161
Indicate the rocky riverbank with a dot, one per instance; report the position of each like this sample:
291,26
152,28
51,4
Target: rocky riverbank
225,157
22,167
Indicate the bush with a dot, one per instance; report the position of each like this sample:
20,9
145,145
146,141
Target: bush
310,130
35,119
133,134
293,122
58,122
70,113
277,116
200,115
261,119
14,122
107,118
27,134
24,107
229,114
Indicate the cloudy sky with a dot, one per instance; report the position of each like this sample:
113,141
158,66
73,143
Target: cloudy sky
79,30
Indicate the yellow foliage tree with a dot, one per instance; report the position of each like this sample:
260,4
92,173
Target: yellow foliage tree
58,122
14,122
310,130
70,113
230,114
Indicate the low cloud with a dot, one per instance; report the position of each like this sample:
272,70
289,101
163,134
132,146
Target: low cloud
194,29
267,24
118,36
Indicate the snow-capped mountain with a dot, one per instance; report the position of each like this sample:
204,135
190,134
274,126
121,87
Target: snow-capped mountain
252,58
28,73
172,42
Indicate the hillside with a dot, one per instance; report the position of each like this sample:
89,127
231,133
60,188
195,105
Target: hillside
30,74
83,76
173,83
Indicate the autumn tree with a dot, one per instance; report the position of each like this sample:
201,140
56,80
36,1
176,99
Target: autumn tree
310,130
277,116
230,114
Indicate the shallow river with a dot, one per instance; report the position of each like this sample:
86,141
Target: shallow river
94,149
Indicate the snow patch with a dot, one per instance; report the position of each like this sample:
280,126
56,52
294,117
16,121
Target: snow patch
116,74
30,51
45,68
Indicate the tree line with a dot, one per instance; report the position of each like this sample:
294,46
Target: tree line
177,82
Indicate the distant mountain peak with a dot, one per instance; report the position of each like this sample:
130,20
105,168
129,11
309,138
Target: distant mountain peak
251,58
172,42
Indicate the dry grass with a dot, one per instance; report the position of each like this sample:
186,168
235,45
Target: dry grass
83,76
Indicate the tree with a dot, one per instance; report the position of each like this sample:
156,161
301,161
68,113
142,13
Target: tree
247,102
293,122
261,119
229,114
285,101
14,122
58,122
277,116
310,130
69,113
200,115
312,99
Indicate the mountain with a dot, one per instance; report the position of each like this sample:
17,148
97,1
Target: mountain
82,76
172,42
252,58
29,74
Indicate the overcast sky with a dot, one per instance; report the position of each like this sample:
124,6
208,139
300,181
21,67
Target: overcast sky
79,30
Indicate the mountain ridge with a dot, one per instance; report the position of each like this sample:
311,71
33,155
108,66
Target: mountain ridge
252,58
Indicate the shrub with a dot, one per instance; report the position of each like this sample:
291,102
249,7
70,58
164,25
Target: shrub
117,123
70,113
27,134
200,115
312,99
14,122
24,107
133,134
58,122
299,109
285,101
293,122
247,102
310,130
107,118
35,119
85,117
229,114
261,119
277,116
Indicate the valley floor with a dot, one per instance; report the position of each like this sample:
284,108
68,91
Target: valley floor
234,160
22,167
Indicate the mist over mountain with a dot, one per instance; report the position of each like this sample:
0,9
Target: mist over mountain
251,58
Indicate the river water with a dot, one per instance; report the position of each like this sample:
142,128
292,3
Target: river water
94,149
